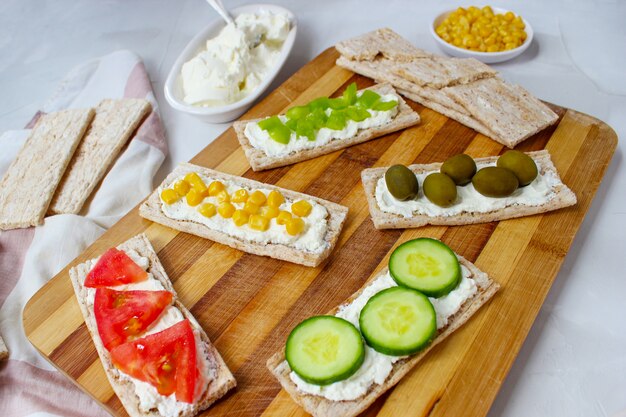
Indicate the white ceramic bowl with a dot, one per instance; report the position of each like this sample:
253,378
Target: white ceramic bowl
486,57
219,114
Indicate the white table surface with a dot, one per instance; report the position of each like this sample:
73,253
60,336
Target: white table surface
573,362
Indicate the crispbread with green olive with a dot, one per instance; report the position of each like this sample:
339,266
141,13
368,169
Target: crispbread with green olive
563,197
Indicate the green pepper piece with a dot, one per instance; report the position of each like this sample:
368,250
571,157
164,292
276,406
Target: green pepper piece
336,121
306,129
368,98
337,103
291,124
270,123
298,112
320,103
384,105
349,94
357,114
318,118
280,134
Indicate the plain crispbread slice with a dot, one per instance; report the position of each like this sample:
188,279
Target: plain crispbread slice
382,220
260,161
438,72
322,407
382,69
461,117
383,41
123,387
4,352
30,182
151,210
510,111
112,126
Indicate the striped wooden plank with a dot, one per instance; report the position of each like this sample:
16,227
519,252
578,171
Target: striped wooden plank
248,304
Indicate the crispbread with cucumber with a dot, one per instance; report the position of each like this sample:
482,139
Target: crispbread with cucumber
248,215
425,294
323,126
158,359
436,200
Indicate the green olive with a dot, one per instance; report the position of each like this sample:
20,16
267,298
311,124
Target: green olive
495,182
522,165
440,189
461,168
401,182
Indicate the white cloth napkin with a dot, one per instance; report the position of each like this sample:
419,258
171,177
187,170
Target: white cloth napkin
29,385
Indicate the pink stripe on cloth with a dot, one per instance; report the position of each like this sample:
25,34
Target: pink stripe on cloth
151,130
13,247
26,389
33,121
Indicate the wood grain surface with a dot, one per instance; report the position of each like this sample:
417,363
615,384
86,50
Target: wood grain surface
248,304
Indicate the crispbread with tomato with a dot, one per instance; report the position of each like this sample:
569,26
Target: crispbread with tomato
158,359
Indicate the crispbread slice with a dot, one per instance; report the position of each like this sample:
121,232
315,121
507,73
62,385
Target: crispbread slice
383,220
123,387
510,111
4,352
29,184
322,407
461,117
260,161
151,210
112,126
381,41
438,72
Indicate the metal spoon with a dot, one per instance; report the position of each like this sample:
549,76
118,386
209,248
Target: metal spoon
219,7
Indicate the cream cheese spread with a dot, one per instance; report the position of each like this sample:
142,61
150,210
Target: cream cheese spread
236,61
377,366
312,239
261,139
538,192
149,397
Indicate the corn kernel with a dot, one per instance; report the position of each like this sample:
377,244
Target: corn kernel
269,212
195,181
295,226
182,187
169,196
194,197
240,196
258,222
301,208
207,210
240,217
283,217
275,199
250,207
215,188
226,210
258,198
222,197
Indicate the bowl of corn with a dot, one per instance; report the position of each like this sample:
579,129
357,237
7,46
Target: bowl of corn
489,34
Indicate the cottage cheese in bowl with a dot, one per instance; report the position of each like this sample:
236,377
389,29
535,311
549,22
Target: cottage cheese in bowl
236,61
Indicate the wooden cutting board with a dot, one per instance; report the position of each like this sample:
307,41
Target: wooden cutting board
248,304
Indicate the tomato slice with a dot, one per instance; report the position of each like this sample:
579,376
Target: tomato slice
166,360
123,315
114,268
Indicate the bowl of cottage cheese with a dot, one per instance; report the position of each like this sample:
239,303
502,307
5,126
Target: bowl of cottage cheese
225,68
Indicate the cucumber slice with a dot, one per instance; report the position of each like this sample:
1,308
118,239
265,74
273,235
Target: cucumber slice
324,349
398,321
426,265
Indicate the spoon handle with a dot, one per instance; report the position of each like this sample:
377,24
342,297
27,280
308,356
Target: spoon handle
219,7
